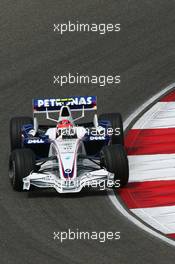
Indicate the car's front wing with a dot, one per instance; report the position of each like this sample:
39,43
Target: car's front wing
97,178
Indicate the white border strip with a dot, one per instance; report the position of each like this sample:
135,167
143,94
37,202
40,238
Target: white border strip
111,194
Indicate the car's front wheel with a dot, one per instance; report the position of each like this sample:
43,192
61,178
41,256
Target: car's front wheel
115,160
21,163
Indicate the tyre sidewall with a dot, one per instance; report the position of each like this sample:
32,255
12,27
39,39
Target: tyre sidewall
21,163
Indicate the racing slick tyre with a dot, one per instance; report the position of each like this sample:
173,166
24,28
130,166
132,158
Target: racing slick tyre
16,124
115,160
116,123
21,163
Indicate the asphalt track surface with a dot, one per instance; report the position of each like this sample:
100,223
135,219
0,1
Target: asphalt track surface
30,53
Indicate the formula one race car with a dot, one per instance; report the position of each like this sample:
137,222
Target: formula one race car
67,156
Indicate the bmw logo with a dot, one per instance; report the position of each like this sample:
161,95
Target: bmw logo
68,171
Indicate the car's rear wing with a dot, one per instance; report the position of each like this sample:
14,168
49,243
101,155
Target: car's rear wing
76,103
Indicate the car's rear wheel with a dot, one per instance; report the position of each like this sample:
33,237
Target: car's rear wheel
16,124
117,126
115,160
21,163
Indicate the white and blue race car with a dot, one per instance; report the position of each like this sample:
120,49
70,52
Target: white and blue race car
67,155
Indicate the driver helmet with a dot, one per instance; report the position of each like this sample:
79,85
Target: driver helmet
64,127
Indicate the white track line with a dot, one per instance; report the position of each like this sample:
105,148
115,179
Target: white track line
114,199
161,115
159,167
161,218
